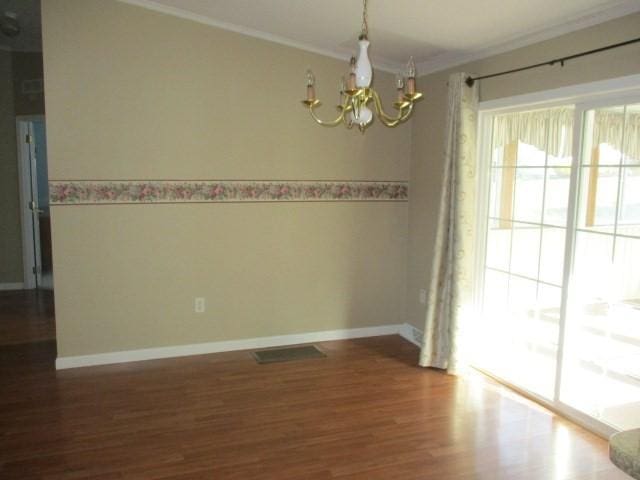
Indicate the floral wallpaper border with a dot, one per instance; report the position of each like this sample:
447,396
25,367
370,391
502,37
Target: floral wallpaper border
85,192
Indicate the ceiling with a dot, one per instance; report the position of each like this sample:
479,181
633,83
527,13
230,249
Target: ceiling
438,33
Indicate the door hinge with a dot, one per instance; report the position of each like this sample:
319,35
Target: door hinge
36,269
28,138
32,205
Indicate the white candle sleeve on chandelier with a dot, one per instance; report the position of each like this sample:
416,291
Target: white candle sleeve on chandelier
411,76
364,72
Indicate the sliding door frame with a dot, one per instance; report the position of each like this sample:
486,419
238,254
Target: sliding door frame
582,97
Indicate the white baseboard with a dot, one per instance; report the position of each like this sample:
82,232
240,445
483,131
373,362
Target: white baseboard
225,346
12,286
411,334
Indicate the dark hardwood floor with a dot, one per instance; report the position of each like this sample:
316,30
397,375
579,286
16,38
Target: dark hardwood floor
364,412
26,316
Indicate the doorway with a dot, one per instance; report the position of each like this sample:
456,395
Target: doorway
34,201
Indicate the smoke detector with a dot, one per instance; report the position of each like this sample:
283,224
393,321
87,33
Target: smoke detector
9,24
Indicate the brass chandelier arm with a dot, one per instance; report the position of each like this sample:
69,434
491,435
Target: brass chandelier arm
348,122
388,120
327,123
356,100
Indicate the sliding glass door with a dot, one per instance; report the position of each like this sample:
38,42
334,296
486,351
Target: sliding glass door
529,178
560,280
601,372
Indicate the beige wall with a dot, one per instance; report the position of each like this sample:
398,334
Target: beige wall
428,126
10,234
134,94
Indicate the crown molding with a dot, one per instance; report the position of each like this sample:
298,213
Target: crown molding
585,20
380,64
440,62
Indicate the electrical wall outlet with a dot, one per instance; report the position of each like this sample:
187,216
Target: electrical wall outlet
423,296
199,305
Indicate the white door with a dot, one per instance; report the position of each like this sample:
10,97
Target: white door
34,195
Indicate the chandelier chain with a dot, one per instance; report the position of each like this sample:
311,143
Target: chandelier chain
365,25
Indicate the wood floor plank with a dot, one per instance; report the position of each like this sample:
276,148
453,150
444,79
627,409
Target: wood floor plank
26,316
366,411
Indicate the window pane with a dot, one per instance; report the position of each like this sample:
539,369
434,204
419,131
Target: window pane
587,311
522,301
549,303
602,376
496,286
529,155
501,196
529,180
532,361
609,155
498,244
627,275
629,214
494,320
559,161
545,337
592,265
552,255
598,198
529,194
623,409
525,250
556,196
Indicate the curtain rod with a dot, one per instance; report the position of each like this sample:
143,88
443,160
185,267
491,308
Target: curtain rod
470,81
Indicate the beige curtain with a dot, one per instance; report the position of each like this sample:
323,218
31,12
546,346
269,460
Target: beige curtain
450,292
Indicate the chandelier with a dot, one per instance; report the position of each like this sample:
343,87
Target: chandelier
356,92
